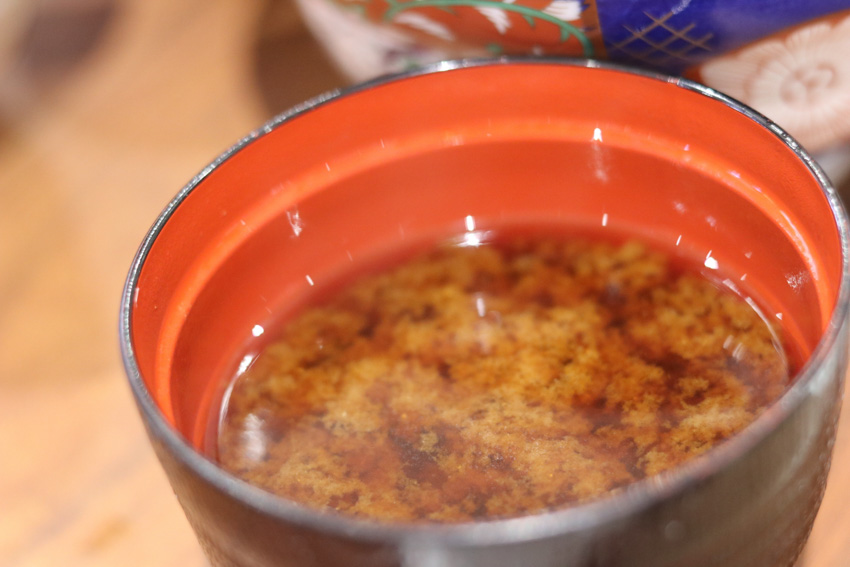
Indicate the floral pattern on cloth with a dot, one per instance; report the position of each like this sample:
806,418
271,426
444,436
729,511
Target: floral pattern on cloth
363,50
801,80
565,27
563,17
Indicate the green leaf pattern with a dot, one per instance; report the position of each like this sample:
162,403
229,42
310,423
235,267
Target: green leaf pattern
556,13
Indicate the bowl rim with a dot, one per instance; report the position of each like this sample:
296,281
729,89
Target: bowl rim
578,518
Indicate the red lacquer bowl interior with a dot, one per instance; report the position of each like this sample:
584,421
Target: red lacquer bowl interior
403,162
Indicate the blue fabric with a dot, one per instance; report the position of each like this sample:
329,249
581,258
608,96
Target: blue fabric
672,35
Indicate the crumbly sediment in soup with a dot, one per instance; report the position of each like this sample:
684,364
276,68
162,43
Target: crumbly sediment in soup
501,380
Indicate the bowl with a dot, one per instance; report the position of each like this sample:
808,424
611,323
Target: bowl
406,159
783,60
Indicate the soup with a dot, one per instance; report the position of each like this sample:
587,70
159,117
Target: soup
485,380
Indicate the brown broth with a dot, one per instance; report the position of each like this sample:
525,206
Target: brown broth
469,383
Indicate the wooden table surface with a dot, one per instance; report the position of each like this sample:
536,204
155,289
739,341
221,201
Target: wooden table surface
107,108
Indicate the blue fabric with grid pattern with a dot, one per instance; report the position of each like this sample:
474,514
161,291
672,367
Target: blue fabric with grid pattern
672,35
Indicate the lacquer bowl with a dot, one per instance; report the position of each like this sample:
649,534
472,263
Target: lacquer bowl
504,141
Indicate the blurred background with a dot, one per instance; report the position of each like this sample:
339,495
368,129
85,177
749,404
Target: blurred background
107,108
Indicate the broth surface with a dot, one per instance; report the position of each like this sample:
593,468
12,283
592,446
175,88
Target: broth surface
499,380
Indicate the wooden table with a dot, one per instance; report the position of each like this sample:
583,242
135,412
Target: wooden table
106,109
